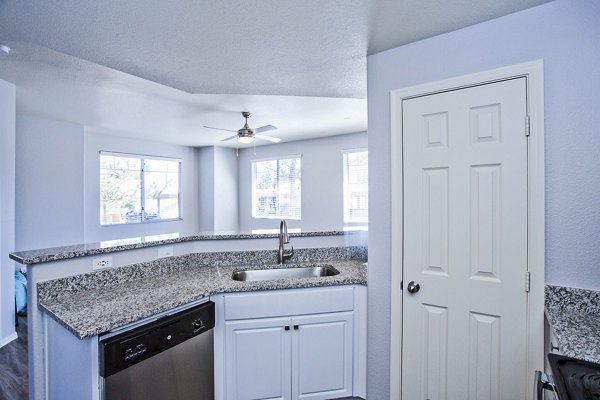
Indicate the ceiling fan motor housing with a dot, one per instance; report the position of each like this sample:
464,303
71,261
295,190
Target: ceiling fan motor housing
246,132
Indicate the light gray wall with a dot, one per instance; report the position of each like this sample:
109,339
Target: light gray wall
7,209
322,181
564,33
226,215
96,142
218,196
206,194
49,183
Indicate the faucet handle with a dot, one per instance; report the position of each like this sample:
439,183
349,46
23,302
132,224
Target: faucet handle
288,253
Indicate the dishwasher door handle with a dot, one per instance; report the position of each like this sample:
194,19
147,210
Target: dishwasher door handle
541,382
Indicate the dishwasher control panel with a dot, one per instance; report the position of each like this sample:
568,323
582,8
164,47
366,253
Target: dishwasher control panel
131,347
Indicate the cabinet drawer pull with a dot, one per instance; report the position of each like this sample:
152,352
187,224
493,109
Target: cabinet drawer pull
287,327
296,327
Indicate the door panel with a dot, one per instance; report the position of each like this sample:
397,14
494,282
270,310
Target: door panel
258,359
485,221
484,360
465,243
434,354
435,221
322,356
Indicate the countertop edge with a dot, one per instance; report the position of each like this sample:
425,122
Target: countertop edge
175,303
32,257
575,324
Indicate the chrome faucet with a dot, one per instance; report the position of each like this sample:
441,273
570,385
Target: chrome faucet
284,238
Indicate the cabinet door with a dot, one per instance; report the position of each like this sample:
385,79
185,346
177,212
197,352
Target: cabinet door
322,356
258,358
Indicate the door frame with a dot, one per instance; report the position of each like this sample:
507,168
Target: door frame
534,73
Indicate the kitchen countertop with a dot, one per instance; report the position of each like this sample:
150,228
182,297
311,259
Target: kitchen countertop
30,257
574,316
94,303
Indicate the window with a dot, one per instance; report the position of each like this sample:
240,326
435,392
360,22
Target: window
135,188
276,188
356,186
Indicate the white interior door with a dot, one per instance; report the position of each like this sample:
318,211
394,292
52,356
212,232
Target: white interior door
465,243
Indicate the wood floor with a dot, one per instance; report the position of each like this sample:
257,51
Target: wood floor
13,366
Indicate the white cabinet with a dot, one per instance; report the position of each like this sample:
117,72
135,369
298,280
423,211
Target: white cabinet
322,356
290,344
258,359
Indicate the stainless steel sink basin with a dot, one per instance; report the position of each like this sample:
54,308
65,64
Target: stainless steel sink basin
284,273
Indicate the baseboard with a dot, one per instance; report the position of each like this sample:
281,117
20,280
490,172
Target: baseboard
8,339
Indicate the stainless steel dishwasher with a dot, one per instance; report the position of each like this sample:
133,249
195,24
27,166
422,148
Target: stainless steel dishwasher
167,359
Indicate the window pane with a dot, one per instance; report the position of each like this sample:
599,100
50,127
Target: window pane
161,187
120,183
277,189
356,193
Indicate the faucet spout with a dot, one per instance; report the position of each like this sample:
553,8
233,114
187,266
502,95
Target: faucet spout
283,231
284,238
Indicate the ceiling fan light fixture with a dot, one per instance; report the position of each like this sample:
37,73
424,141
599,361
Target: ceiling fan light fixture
246,139
246,135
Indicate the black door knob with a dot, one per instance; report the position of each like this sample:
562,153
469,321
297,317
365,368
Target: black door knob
413,287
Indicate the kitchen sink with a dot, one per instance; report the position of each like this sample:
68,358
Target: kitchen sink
284,273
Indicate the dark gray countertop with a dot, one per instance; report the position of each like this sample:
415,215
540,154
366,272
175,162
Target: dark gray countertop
90,304
30,257
574,315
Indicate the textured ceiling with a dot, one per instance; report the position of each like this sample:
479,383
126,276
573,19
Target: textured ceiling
57,86
160,70
270,47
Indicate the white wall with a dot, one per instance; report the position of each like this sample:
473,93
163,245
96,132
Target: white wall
96,142
322,181
206,182
226,215
49,183
565,34
218,192
7,211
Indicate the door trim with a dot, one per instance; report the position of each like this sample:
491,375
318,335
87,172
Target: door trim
534,72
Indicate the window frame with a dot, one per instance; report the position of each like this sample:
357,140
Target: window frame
253,194
142,158
346,189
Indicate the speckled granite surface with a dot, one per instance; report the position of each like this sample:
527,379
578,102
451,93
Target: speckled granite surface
82,250
574,315
97,302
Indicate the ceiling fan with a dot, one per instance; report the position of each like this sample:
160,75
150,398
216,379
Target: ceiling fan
247,135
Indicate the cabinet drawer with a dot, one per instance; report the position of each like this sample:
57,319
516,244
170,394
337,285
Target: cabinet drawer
288,302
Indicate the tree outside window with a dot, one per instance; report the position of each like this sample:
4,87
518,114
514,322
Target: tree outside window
276,191
136,189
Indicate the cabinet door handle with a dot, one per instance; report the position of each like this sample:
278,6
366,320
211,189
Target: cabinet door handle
287,327
296,327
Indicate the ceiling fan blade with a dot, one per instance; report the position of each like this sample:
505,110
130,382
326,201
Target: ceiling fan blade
220,129
229,138
269,138
265,128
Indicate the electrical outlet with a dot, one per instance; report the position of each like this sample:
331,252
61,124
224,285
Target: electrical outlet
102,262
165,251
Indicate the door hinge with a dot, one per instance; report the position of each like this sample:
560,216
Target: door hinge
527,281
527,125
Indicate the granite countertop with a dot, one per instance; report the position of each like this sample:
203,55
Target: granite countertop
94,303
30,257
574,316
